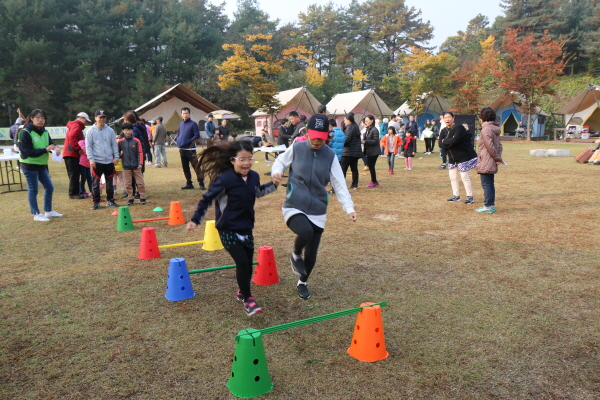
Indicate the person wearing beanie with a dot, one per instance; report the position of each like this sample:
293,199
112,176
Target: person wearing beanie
312,165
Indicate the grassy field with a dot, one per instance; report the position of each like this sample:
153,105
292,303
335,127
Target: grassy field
501,306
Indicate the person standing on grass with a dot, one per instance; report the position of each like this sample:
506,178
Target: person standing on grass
461,156
352,151
312,165
429,136
337,138
283,137
160,143
234,187
101,148
72,152
223,131
371,148
187,136
441,137
34,144
409,148
489,157
132,156
390,144
209,127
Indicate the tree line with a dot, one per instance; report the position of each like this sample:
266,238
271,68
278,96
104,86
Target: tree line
70,55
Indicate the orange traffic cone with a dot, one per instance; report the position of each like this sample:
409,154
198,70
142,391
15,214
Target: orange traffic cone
148,245
175,214
266,270
368,341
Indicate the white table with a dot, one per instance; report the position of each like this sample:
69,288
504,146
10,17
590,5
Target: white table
9,174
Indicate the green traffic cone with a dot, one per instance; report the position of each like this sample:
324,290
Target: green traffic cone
124,222
249,372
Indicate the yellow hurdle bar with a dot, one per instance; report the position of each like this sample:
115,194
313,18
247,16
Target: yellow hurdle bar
166,246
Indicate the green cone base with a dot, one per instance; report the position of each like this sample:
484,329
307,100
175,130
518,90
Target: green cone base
124,222
249,371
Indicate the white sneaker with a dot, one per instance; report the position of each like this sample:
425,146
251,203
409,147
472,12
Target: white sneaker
41,218
52,214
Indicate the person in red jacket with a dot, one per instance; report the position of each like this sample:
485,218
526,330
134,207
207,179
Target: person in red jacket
72,152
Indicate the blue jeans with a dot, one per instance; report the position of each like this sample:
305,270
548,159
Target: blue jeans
32,178
489,191
391,158
160,152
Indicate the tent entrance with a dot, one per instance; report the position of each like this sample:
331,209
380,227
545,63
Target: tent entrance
510,124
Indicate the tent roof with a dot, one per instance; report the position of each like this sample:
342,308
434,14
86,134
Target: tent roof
585,99
366,99
404,110
435,103
183,93
300,97
509,98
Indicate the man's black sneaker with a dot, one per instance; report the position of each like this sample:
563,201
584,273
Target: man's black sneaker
137,196
454,198
95,206
111,203
443,166
188,186
298,266
130,202
303,292
77,197
202,187
125,196
469,200
251,307
142,201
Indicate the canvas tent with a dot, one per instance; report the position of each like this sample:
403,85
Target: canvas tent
584,109
404,110
298,99
169,103
433,107
361,103
510,116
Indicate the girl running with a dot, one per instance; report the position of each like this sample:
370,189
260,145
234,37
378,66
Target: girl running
234,187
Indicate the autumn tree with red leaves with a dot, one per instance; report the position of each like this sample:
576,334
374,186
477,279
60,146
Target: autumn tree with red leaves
530,67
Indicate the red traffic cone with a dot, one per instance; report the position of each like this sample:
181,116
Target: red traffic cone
148,245
266,270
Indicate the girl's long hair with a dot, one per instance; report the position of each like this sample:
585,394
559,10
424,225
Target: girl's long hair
216,159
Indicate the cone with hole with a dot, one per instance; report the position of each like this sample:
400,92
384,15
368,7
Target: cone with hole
148,245
175,214
266,270
212,241
179,284
249,371
368,340
124,222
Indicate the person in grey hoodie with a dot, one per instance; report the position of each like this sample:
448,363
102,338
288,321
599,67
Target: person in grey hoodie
102,151
312,166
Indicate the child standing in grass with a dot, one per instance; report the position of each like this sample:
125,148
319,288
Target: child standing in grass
409,147
234,187
390,144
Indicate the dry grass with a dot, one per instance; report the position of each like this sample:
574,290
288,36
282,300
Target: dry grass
480,306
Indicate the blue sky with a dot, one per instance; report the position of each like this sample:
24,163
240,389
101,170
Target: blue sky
447,19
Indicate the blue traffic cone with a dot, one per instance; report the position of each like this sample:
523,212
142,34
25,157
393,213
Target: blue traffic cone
179,285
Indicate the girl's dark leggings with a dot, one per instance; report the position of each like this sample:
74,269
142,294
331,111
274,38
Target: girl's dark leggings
307,239
242,253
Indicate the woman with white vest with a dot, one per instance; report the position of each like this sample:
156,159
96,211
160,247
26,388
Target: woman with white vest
312,165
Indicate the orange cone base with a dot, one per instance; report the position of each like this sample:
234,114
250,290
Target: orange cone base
266,270
368,340
148,245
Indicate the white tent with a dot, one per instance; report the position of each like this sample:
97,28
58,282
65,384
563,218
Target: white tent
298,99
584,109
169,103
404,110
360,103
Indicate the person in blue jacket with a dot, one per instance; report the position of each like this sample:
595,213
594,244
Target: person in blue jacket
187,135
337,138
234,187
